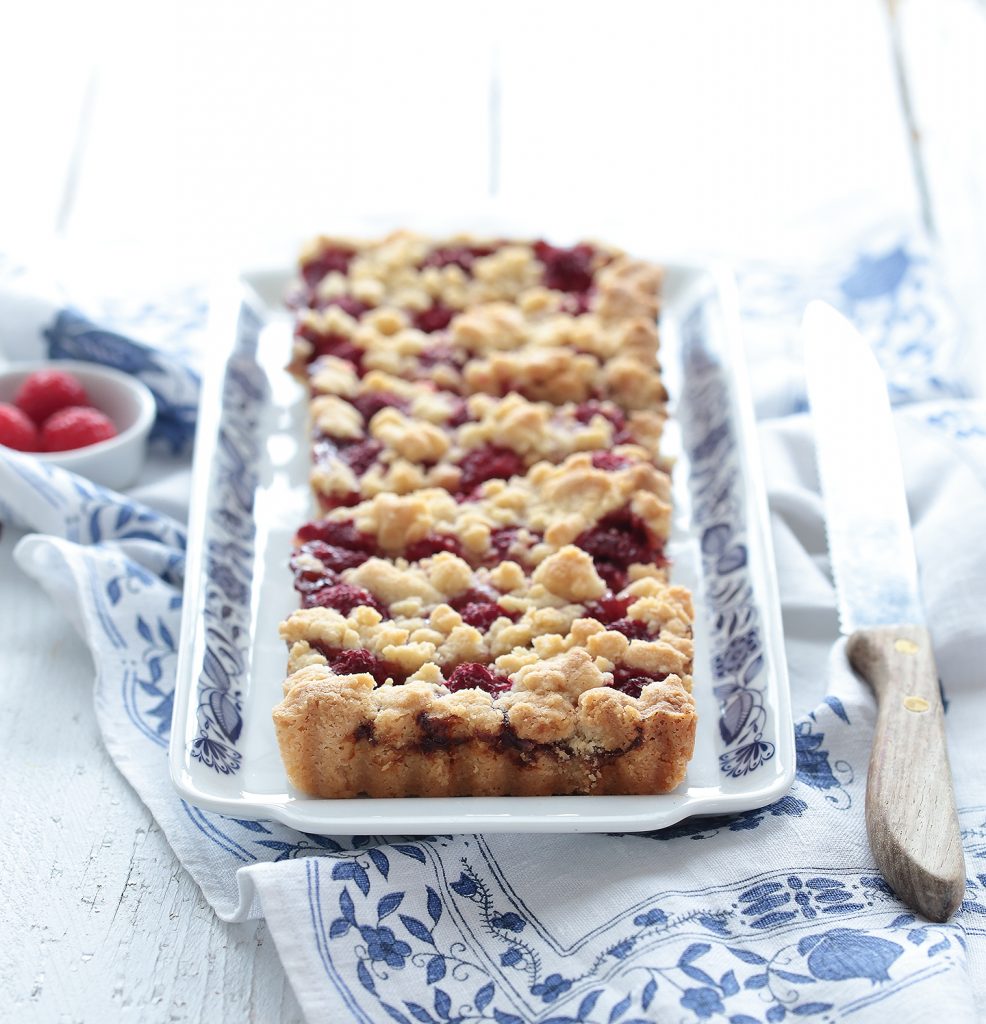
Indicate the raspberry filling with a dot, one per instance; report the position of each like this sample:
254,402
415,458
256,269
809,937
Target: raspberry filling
611,612
371,402
307,578
502,539
586,410
342,597
333,558
459,414
456,255
473,676
351,662
480,608
347,303
330,502
632,629
358,454
608,608
432,544
490,462
337,345
442,355
609,461
333,258
632,680
338,545
435,318
340,532
566,270
616,542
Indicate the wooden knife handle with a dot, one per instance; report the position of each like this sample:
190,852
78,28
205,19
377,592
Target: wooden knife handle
910,805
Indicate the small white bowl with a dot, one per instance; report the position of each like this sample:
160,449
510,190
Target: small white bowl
115,463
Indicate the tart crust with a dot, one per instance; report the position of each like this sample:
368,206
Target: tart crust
343,736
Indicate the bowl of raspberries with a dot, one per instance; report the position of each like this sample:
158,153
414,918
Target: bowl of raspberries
88,418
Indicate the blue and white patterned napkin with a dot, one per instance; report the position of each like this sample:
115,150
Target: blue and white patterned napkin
775,914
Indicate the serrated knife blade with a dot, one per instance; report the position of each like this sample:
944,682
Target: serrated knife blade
910,807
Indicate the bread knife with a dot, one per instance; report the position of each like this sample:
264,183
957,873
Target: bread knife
911,819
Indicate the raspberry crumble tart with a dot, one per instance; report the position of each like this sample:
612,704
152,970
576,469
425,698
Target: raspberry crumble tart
484,601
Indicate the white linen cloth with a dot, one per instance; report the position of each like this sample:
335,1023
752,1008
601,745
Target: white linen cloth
775,914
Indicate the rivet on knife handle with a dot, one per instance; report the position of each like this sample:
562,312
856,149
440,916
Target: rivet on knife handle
910,807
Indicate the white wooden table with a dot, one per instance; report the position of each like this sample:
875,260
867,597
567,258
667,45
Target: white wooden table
167,143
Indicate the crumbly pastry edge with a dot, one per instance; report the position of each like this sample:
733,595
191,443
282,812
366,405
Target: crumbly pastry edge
343,737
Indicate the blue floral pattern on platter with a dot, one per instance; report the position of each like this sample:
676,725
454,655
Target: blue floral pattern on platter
229,554
716,484
716,481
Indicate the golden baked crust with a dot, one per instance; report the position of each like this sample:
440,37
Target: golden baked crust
565,732
485,603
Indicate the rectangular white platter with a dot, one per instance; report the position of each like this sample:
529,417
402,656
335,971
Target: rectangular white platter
250,494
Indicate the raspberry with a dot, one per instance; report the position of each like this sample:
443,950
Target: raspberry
612,575
631,680
502,539
459,414
334,258
306,577
480,614
432,544
75,427
616,542
340,533
46,391
488,463
337,345
456,255
608,608
441,355
342,597
329,502
434,318
609,461
17,431
337,544
586,410
360,455
479,609
473,676
352,662
347,304
632,629
371,402
566,270
339,559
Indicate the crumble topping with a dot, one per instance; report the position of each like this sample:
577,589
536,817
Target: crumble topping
485,603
